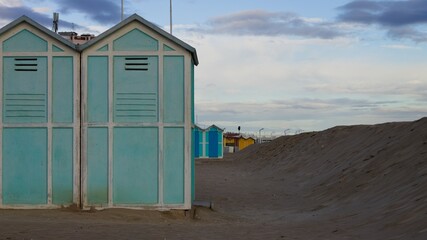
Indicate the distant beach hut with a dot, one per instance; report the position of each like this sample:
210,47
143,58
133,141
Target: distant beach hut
234,142
208,142
198,141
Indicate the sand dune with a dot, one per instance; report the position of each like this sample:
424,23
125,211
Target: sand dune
348,182
358,182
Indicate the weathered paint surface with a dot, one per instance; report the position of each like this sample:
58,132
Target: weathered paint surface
173,94
135,40
56,49
97,166
135,89
25,41
62,166
24,166
135,166
167,48
173,168
103,49
97,88
62,94
24,89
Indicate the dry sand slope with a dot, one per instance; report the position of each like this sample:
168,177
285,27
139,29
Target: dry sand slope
355,182
352,182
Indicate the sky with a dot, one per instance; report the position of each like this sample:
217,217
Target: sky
284,66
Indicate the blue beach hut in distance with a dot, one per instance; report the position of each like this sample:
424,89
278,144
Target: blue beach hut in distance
208,142
107,123
198,140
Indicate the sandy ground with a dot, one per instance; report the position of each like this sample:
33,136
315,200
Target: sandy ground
354,182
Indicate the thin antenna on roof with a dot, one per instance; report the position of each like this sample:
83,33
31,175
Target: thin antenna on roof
122,11
171,17
55,22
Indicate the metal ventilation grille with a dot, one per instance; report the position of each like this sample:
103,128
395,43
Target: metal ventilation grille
136,64
26,64
136,105
25,105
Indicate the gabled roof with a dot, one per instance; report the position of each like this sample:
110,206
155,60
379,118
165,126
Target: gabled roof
231,135
211,126
198,127
215,126
36,25
136,17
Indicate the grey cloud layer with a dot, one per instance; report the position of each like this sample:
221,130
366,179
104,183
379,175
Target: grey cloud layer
387,13
408,33
259,22
400,17
323,112
101,11
291,109
12,13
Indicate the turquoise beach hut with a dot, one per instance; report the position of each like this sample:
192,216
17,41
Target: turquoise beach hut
40,125
104,124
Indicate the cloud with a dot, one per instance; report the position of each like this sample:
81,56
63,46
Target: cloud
408,33
307,114
101,11
11,3
387,13
260,22
11,13
42,10
401,18
280,82
292,108
400,47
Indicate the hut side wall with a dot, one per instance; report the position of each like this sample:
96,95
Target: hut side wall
245,142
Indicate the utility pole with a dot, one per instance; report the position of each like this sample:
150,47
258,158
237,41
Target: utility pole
170,17
55,22
122,11
260,141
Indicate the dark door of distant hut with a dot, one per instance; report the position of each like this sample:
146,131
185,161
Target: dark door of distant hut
213,144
